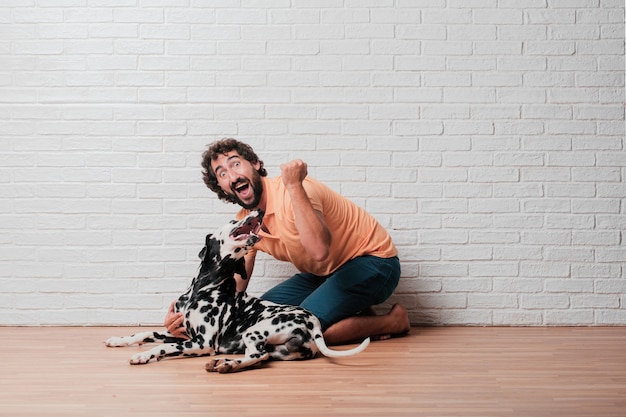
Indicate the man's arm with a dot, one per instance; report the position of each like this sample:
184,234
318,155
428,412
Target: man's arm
314,234
242,284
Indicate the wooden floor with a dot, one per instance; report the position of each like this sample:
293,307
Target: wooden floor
444,371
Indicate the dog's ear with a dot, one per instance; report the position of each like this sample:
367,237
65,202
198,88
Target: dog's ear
207,241
240,268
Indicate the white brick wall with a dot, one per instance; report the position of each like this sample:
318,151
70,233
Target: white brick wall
486,135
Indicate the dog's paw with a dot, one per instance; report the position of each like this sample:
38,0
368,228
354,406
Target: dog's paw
140,358
220,365
116,342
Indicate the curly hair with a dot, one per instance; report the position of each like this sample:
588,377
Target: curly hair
221,147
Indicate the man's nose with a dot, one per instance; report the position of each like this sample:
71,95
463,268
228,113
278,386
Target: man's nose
233,176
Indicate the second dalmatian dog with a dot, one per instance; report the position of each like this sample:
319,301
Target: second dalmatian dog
220,320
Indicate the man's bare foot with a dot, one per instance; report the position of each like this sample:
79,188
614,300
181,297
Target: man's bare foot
399,323
356,328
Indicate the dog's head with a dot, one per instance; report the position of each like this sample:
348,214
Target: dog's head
237,237
222,255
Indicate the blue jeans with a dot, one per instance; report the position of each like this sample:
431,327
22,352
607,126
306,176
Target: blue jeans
357,285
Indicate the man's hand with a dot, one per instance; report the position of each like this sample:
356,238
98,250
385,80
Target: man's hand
174,323
293,172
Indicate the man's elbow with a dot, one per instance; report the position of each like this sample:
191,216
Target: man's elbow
319,249
321,254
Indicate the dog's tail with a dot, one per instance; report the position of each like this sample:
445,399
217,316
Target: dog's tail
326,351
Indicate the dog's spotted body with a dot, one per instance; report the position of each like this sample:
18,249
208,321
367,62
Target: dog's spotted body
220,320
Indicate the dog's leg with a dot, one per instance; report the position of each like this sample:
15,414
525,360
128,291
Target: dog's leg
140,339
194,347
255,353
289,347
233,365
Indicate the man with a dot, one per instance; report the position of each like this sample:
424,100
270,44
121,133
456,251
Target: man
347,260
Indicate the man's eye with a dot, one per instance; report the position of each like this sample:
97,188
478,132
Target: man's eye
221,174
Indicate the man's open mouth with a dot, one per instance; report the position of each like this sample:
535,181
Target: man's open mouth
242,188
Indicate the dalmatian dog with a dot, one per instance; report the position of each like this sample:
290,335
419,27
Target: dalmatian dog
219,320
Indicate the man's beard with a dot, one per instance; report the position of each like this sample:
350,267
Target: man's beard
257,188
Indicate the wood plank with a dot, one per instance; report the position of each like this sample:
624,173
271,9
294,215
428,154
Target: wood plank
440,371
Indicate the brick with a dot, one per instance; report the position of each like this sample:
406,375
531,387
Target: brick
611,255
494,206
544,301
580,63
462,285
517,285
442,175
475,253
517,318
447,301
595,206
567,254
595,301
491,301
466,317
517,221
418,127
608,317
494,175
446,16
571,222
553,270
569,317
610,286
394,111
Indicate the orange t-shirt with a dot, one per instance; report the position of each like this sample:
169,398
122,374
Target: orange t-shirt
354,231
